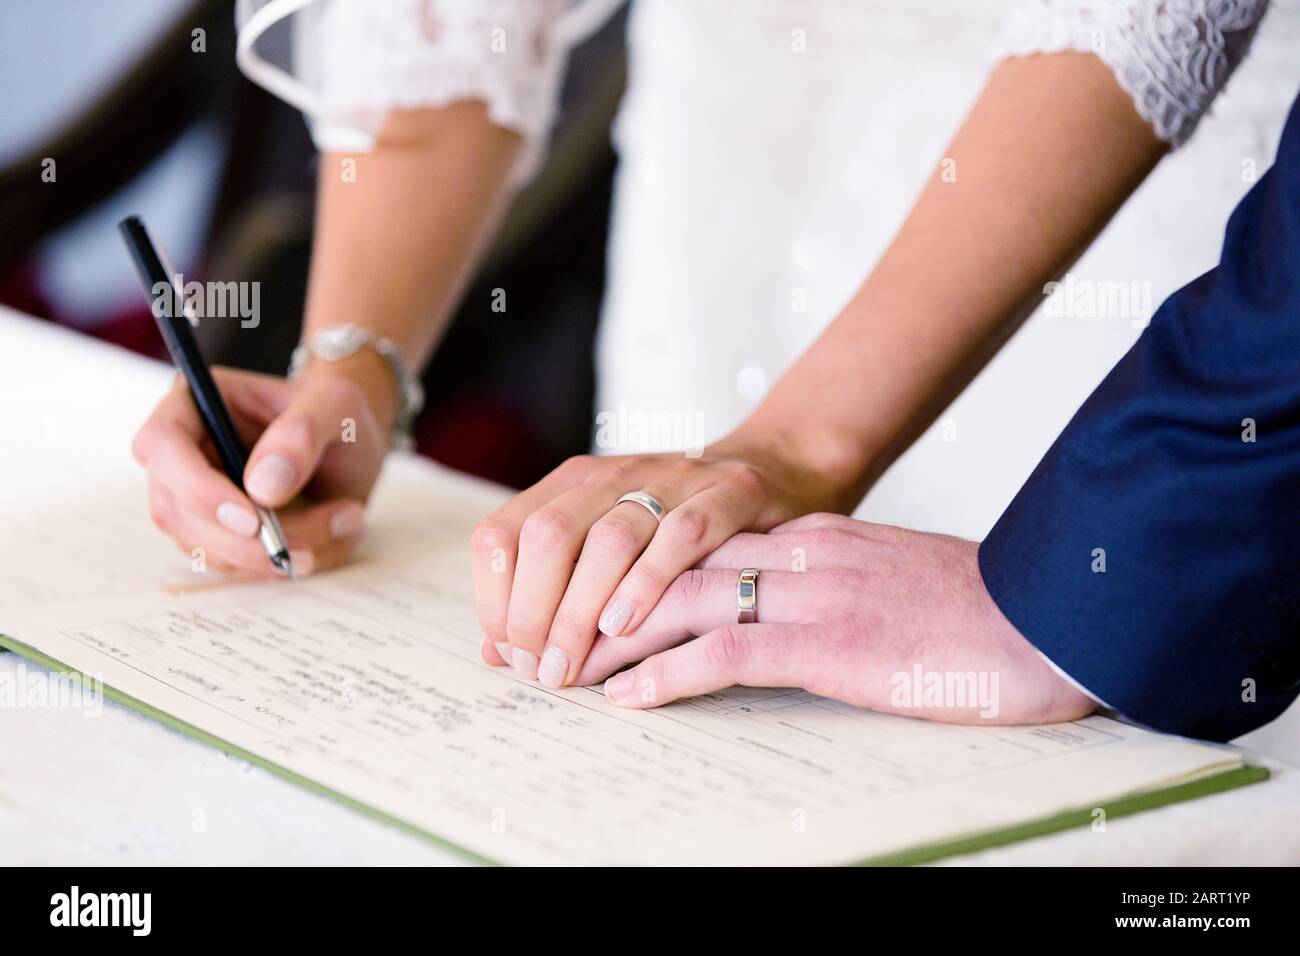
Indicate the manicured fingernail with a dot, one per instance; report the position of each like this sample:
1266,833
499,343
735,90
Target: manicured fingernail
620,685
348,522
238,519
503,650
271,478
555,666
525,662
303,562
616,617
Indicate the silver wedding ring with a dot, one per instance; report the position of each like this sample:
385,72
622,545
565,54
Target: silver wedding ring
747,596
646,501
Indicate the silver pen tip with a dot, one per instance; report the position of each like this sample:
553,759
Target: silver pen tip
283,564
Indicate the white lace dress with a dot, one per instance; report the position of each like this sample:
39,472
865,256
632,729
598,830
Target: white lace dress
767,159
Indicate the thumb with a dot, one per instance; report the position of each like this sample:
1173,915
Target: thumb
290,450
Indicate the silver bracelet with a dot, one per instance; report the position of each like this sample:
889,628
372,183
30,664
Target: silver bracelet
341,341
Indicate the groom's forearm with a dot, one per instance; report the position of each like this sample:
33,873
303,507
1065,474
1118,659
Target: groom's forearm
1163,579
1046,156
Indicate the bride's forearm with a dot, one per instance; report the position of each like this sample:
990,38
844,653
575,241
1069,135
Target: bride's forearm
398,230
1046,156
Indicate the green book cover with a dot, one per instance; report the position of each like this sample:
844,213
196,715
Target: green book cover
929,853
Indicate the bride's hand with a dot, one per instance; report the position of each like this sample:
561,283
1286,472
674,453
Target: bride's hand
302,452
562,560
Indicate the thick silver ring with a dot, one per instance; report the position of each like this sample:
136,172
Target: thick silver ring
747,596
646,501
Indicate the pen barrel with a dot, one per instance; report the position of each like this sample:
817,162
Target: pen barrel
183,347
270,533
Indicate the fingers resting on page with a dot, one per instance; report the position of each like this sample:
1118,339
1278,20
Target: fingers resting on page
849,610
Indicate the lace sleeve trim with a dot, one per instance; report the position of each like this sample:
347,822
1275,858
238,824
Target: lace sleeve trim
1172,57
350,62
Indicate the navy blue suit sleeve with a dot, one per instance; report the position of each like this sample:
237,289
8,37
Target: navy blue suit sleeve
1194,625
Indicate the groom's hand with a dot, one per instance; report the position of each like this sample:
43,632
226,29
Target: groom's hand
871,615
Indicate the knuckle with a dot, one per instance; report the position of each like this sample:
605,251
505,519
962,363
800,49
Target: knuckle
690,526
645,578
613,537
141,444
745,478
546,531
728,649
578,467
631,464
623,466
682,467
162,513
687,588
162,507
827,521
490,535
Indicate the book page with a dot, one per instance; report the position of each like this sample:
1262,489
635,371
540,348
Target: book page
367,682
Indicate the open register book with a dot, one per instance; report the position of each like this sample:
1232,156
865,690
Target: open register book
366,684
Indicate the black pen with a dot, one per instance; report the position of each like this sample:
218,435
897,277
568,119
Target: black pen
166,300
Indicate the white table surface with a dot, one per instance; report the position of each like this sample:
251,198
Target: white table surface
123,789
